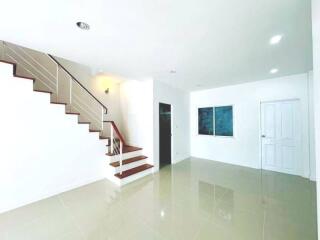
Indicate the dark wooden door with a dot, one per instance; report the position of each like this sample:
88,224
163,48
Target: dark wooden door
164,134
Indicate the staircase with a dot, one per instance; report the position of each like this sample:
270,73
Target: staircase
125,163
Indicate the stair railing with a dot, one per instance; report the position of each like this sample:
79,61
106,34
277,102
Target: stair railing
52,77
117,143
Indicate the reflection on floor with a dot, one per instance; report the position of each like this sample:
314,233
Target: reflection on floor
195,199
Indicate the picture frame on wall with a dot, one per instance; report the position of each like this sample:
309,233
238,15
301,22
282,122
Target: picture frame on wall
216,121
223,119
205,121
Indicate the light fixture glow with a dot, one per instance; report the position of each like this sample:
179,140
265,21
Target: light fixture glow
275,39
274,70
105,83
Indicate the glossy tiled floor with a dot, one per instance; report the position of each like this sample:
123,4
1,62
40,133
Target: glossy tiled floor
195,199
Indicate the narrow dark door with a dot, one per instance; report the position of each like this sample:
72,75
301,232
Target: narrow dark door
165,134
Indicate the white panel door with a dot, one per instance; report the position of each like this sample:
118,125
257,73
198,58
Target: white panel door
281,136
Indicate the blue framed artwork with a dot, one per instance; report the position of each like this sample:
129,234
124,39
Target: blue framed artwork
205,121
224,121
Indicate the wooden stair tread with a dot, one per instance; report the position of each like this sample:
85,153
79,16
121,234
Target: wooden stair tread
103,138
58,103
126,149
84,122
92,130
127,161
73,113
42,91
133,171
117,139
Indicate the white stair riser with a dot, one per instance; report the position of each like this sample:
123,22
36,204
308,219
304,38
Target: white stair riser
33,117
105,142
124,181
128,166
135,176
124,156
20,84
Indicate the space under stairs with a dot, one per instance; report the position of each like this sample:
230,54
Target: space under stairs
124,163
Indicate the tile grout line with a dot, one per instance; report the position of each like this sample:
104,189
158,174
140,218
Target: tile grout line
264,224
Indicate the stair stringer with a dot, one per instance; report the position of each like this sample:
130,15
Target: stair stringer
43,151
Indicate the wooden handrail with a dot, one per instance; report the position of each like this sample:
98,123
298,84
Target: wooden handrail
117,132
73,78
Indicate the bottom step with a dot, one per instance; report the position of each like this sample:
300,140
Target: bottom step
133,171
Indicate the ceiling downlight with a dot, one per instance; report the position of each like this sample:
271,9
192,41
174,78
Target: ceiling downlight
83,25
275,39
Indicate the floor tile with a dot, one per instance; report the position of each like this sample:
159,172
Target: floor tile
195,199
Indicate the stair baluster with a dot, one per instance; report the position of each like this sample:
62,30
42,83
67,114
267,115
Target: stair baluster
51,77
116,143
120,156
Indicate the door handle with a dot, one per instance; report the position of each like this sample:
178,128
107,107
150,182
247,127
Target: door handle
263,136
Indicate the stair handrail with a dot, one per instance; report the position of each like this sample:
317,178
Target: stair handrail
79,83
117,131
114,147
36,65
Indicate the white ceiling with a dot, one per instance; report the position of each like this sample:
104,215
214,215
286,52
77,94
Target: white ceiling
209,43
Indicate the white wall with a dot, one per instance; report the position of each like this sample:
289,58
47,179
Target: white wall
180,107
96,85
43,150
137,114
316,80
140,111
244,148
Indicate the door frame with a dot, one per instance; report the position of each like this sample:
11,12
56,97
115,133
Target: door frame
300,170
171,128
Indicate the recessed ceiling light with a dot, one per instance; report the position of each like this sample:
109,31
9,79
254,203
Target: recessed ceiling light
83,25
275,39
274,70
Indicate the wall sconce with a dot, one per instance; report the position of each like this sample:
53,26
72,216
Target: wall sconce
106,91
